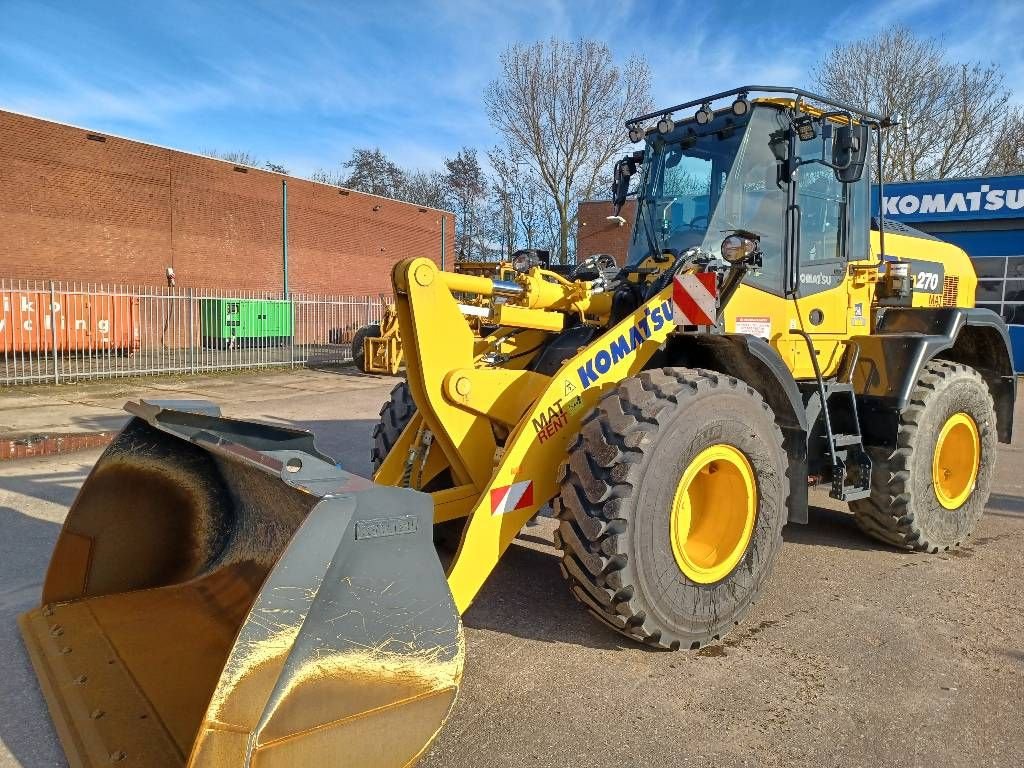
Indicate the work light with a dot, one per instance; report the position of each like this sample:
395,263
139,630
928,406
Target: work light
736,248
804,128
524,261
741,106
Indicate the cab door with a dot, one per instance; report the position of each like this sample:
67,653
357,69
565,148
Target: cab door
832,219
821,306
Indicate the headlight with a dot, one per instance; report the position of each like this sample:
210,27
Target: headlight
736,248
524,262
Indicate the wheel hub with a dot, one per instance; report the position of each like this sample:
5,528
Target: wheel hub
955,460
713,513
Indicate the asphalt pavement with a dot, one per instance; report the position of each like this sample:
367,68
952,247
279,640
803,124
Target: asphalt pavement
857,655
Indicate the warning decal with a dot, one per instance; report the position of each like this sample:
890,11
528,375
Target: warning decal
694,299
755,326
509,498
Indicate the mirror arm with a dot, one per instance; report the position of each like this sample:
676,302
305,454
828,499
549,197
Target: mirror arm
826,163
881,191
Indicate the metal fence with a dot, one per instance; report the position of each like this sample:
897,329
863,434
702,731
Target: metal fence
55,332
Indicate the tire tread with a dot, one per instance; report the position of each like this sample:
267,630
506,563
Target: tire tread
603,470
887,514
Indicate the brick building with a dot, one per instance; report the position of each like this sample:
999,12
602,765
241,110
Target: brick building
595,234
85,206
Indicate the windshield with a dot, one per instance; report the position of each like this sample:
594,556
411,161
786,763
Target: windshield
702,181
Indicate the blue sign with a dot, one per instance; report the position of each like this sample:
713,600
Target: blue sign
992,197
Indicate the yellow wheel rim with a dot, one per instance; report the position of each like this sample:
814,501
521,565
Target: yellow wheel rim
955,461
713,513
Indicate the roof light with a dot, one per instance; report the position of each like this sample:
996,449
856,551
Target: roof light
704,115
636,133
741,106
804,128
666,124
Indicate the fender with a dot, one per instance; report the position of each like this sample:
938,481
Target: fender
905,339
754,361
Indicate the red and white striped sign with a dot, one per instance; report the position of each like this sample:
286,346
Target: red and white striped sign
509,498
693,298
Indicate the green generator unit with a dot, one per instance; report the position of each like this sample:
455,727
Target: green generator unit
228,323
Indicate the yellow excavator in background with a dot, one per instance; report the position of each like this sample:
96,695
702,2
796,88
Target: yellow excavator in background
222,594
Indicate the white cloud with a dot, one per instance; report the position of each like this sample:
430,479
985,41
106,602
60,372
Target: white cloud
304,84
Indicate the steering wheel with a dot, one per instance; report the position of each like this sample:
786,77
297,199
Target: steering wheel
693,222
597,265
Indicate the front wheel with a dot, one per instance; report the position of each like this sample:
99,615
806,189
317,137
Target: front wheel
672,505
395,416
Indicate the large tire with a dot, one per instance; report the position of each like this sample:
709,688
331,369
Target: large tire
904,508
394,416
618,490
359,348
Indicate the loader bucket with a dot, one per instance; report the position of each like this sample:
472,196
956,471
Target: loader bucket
222,594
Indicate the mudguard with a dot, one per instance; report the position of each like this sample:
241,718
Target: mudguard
891,360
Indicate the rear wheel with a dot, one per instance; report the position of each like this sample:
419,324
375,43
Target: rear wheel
930,491
672,505
359,347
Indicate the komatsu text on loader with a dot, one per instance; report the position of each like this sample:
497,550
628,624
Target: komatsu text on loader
222,594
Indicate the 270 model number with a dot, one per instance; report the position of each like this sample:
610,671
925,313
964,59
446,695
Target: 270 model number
928,275
926,281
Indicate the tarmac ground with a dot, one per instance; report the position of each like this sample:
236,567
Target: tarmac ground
857,654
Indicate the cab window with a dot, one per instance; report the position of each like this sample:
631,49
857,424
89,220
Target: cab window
822,200
755,201
833,215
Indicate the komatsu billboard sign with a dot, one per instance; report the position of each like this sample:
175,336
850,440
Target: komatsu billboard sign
992,197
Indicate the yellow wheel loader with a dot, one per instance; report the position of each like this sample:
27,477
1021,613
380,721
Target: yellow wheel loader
377,347
222,594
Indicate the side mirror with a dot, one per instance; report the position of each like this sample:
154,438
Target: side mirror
849,149
620,183
781,144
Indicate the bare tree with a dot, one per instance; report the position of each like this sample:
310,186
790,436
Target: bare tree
950,112
467,189
241,157
324,176
503,202
370,170
425,188
1008,155
238,157
520,207
564,106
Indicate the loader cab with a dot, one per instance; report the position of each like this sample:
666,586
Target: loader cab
755,172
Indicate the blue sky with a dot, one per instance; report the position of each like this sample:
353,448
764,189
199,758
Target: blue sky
302,83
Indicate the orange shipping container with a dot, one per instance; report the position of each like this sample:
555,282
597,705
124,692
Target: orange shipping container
78,321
